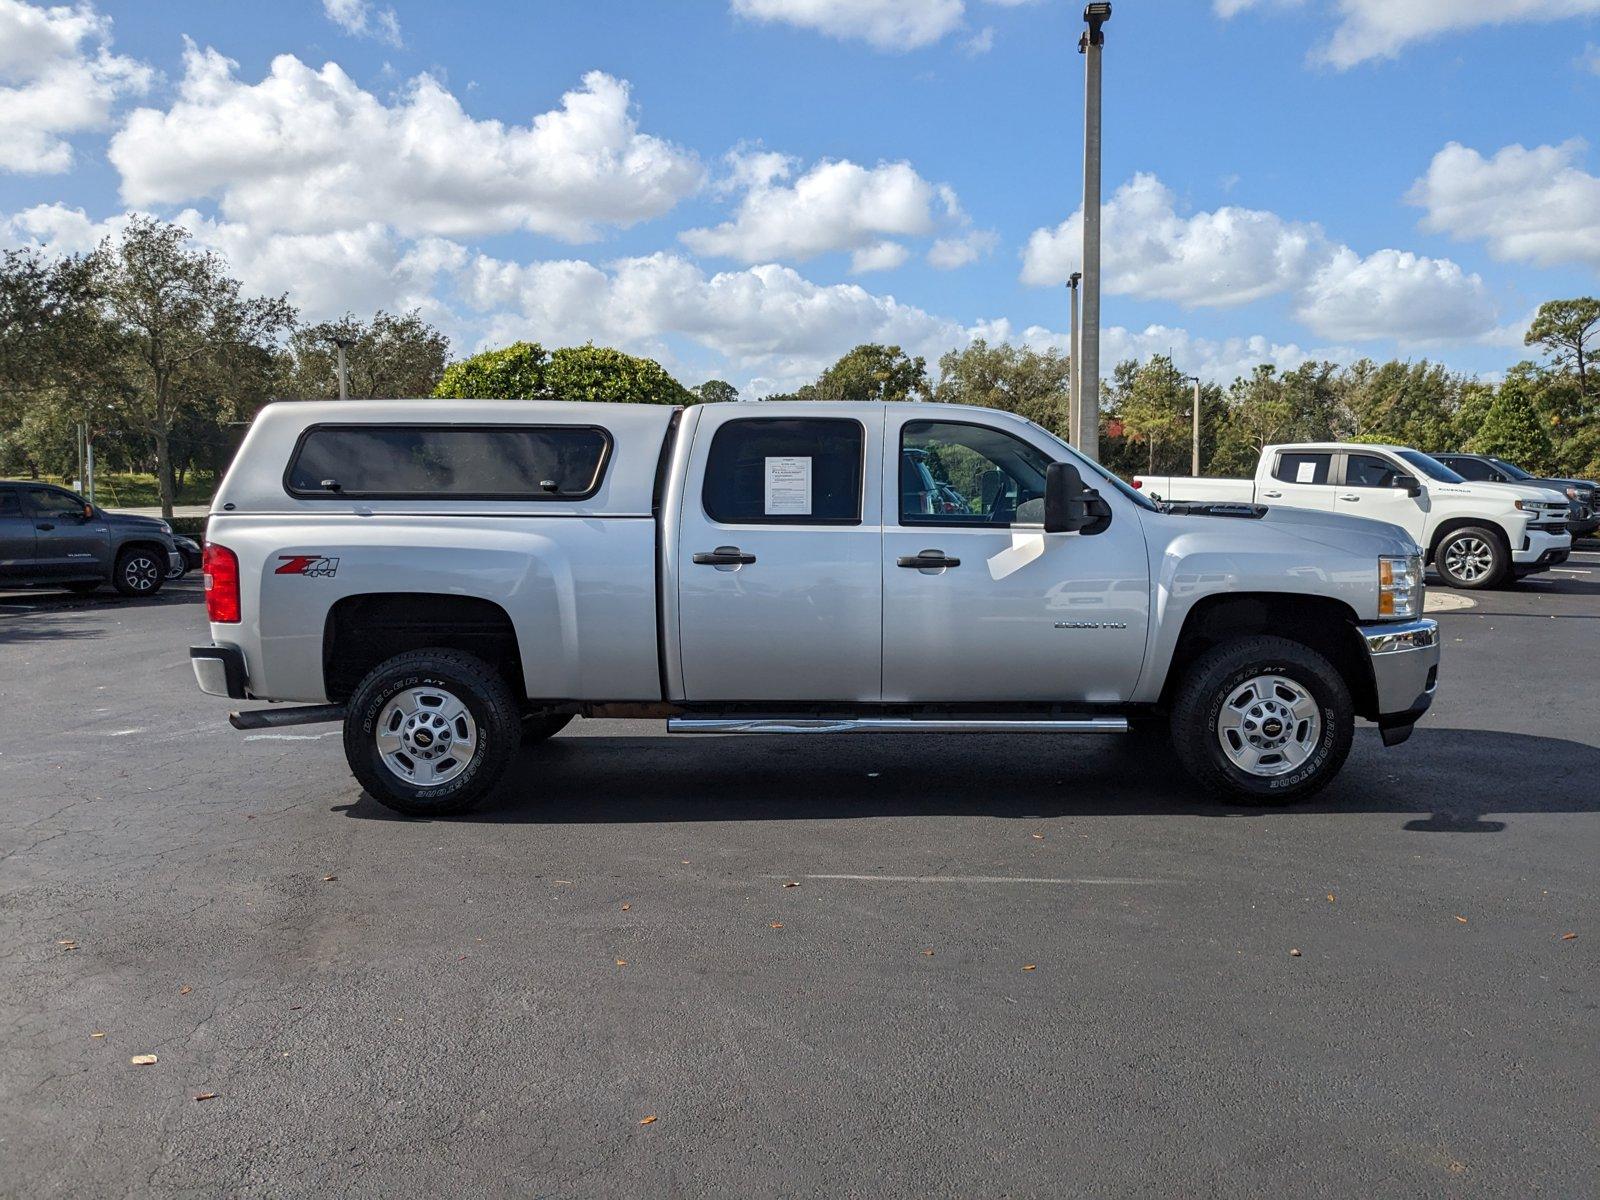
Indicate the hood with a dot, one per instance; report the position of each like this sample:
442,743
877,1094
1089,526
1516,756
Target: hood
1354,535
135,521
1506,492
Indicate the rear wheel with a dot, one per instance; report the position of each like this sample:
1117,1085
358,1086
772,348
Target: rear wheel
1262,719
138,572
1472,558
430,732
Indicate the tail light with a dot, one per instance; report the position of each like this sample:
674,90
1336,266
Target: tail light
221,566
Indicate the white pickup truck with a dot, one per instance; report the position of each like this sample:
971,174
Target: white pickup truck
452,579
1478,535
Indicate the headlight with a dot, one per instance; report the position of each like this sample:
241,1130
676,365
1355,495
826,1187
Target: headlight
1572,493
1400,586
165,528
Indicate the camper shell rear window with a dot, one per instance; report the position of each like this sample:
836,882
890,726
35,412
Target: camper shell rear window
449,462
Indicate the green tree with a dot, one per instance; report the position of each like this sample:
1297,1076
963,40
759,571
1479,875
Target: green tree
1565,328
177,332
871,372
516,372
716,391
1152,402
1408,404
600,373
1028,382
390,357
1511,430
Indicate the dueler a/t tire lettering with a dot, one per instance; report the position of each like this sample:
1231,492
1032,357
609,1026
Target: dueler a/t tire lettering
1214,676
488,698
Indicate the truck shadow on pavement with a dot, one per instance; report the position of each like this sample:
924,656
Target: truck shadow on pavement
28,614
1445,780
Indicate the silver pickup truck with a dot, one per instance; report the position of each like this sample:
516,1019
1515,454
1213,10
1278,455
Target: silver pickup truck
453,579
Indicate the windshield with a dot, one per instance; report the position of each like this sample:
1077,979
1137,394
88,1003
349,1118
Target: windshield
1514,472
1431,467
1075,456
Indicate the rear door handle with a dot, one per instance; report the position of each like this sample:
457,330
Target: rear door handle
928,560
46,527
1349,496
724,556
1272,495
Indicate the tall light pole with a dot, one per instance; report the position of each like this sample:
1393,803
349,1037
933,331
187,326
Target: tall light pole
1194,451
343,344
1074,415
1091,45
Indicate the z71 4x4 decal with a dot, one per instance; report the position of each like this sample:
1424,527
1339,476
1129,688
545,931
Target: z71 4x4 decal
307,564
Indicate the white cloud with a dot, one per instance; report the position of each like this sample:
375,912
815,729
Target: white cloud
833,206
1234,256
1369,29
1589,60
323,274
896,25
309,151
57,77
885,24
1211,259
1536,206
948,253
362,18
1396,294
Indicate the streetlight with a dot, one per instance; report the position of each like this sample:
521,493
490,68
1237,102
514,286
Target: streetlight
343,344
1194,451
1074,416
1091,45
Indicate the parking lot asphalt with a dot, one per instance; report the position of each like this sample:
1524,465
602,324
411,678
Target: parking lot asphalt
967,966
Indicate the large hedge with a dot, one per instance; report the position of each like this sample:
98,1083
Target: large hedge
525,371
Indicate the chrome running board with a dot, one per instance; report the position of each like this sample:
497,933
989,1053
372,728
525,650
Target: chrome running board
725,725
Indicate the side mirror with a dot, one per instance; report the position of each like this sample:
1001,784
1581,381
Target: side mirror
1066,507
88,512
1409,484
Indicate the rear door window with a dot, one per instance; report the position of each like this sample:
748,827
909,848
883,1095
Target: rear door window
785,471
1296,466
460,462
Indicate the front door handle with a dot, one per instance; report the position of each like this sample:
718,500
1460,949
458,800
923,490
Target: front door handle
1349,496
928,560
44,527
724,556
1272,495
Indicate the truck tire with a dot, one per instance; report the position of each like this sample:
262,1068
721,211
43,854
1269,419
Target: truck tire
139,572
1473,558
1262,720
429,732
540,726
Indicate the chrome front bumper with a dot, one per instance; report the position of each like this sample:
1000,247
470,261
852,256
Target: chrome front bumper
1405,670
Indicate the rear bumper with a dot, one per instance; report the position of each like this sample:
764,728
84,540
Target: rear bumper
1405,669
220,671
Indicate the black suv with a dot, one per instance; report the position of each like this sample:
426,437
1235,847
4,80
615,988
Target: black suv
1583,515
52,537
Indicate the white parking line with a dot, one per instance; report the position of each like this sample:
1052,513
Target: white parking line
291,737
979,879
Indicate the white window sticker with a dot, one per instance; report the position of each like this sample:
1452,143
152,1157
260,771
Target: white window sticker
1305,472
788,487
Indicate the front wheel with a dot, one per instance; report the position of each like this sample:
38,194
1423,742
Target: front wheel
1472,558
1263,720
430,732
138,573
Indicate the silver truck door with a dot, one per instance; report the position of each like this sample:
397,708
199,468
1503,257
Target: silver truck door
779,542
978,607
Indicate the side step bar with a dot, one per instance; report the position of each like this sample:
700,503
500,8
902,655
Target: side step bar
276,718
893,725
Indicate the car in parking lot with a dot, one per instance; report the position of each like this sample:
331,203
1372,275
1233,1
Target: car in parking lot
50,537
1583,514
444,576
1476,535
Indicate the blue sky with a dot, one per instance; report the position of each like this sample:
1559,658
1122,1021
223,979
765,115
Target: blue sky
746,188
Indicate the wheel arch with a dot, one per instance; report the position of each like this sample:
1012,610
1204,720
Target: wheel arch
1446,528
365,629
1320,623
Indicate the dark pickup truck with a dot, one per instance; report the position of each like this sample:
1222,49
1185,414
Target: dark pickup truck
51,537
